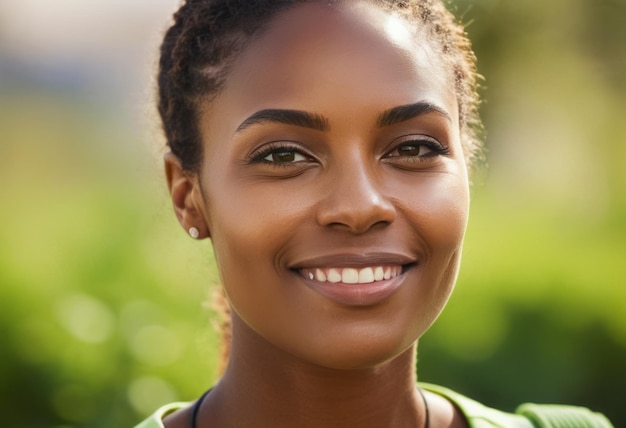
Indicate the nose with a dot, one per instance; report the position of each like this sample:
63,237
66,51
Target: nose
355,201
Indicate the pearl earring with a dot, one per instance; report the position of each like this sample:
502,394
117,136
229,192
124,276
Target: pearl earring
194,232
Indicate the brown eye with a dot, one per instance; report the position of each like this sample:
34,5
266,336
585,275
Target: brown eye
412,150
418,148
284,156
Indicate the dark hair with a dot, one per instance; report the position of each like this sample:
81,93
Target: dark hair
200,47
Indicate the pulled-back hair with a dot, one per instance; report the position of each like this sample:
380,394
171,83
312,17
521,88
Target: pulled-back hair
207,35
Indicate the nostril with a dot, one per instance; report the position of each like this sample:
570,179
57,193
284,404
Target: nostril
355,201
358,221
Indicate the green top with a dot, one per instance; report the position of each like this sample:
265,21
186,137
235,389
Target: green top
476,414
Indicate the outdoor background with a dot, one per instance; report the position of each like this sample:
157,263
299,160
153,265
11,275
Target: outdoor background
103,299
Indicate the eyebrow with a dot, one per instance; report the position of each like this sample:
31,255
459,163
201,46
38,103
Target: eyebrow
287,117
320,123
407,112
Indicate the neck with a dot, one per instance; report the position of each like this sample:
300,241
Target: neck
265,386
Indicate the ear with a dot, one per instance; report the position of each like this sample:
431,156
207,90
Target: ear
186,196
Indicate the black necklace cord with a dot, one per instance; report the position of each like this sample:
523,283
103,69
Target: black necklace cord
196,409
427,415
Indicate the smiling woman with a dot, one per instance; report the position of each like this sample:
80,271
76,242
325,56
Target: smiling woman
324,147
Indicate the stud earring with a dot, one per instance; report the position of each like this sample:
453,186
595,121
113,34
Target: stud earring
194,232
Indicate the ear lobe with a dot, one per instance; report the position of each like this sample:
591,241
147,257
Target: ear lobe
186,196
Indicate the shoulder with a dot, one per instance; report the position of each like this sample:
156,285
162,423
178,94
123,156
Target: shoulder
476,414
527,415
174,413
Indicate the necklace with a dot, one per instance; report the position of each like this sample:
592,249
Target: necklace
196,408
427,412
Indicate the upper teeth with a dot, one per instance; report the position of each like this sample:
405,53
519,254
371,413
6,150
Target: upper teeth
353,275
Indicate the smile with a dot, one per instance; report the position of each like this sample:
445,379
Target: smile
350,275
358,286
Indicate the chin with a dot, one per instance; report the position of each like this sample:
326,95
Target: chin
357,352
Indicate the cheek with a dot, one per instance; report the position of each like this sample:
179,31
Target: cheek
253,223
438,208
251,228
438,213
240,248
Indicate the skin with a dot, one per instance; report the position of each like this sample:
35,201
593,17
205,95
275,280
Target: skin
343,191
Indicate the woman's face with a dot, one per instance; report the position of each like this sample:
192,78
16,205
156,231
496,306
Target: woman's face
334,185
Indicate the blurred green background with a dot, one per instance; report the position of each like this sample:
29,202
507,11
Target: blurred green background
103,299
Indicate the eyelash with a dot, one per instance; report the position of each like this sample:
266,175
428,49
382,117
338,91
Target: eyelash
436,149
259,157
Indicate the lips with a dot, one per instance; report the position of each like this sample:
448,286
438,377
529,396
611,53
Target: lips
351,275
356,279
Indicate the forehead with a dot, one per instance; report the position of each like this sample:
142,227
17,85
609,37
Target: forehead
318,57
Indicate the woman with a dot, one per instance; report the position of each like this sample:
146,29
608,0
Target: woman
324,148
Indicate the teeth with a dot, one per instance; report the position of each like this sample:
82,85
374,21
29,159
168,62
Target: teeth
366,276
352,275
379,273
319,275
333,275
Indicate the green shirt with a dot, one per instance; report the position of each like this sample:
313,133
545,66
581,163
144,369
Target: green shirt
476,414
